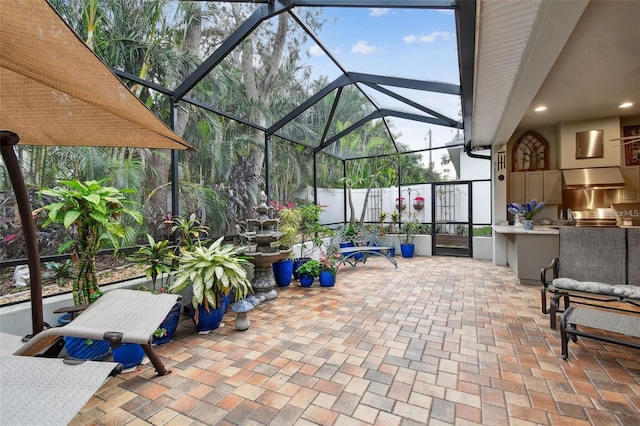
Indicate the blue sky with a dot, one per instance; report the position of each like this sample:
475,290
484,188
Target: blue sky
417,44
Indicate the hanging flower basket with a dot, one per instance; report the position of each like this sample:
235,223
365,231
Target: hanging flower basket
400,204
418,203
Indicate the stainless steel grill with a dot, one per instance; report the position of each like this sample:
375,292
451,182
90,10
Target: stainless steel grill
595,217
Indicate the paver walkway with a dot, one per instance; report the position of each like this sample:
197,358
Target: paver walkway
440,340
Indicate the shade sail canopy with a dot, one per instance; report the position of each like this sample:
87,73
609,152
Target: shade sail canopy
55,91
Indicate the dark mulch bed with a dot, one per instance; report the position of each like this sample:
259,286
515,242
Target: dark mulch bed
110,269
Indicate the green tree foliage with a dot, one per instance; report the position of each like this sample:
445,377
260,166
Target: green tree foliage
263,79
92,213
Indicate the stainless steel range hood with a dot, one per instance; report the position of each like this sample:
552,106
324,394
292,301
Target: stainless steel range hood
594,178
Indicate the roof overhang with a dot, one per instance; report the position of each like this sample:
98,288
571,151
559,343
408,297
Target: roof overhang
578,58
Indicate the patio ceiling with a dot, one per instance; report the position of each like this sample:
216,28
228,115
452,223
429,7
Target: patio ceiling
581,59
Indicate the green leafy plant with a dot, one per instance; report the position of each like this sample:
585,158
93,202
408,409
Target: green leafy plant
160,332
330,261
409,230
310,227
213,272
310,267
290,219
157,258
484,231
382,216
60,271
395,219
348,233
188,230
92,213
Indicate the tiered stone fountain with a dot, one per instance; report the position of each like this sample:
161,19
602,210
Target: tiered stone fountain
263,236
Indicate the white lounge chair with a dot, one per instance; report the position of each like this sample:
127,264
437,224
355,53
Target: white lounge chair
119,316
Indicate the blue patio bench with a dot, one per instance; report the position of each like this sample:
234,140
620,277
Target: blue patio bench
354,255
367,242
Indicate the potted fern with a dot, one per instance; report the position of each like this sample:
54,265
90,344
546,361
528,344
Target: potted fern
214,273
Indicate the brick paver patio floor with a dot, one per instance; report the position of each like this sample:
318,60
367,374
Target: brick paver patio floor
440,340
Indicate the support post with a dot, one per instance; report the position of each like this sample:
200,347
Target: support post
7,141
315,177
175,189
267,168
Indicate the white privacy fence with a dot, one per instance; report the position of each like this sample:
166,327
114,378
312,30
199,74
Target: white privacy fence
453,202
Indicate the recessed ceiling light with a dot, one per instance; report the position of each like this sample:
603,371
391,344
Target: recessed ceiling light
626,105
540,108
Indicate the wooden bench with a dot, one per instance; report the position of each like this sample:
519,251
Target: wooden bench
628,325
351,255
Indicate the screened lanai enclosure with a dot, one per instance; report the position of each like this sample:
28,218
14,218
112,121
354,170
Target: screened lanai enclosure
338,102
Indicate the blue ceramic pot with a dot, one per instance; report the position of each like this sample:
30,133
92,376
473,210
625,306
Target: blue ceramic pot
407,250
306,280
210,320
355,256
87,349
80,348
170,323
298,262
128,354
282,272
327,279
392,252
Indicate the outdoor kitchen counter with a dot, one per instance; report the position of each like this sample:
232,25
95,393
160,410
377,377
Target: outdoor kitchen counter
529,251
537,230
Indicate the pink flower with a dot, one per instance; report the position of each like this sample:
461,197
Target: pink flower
419,198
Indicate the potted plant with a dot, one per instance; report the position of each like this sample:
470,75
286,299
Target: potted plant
92,213
214,273
395,219
329,265
308,271
400,204
289,226
418,203
158,260
409,230
311,231
382,216
188,231
526,212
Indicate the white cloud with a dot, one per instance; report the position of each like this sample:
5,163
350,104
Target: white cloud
427,38
363,48
316,51
378,11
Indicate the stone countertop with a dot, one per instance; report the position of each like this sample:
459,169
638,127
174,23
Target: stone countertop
537,230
